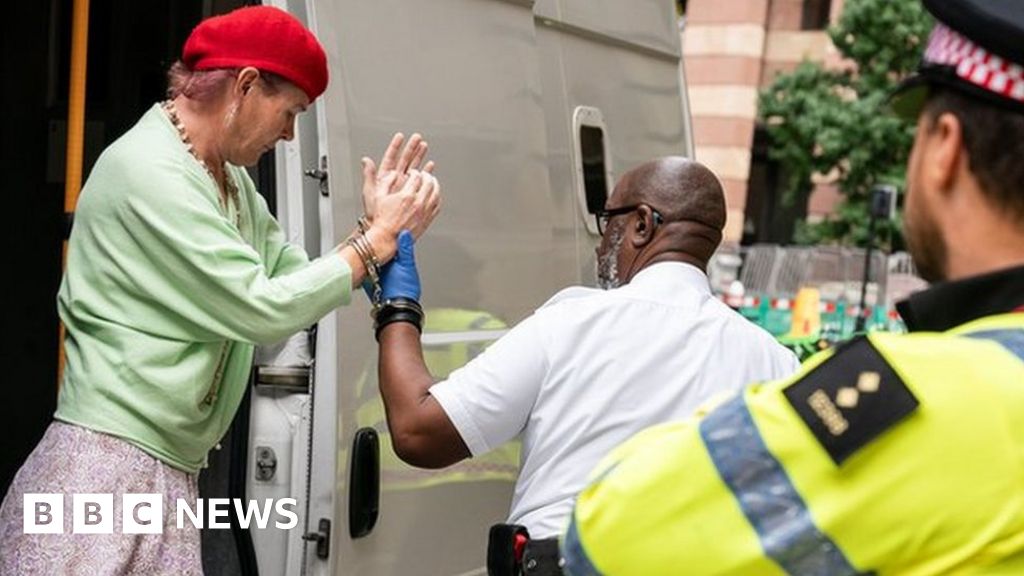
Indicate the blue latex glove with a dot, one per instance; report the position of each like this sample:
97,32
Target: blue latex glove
399,278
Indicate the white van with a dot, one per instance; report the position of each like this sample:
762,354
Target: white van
532,109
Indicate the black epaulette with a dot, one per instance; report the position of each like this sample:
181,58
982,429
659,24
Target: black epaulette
850,399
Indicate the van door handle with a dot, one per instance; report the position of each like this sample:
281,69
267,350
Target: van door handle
320,175
364,483
322,537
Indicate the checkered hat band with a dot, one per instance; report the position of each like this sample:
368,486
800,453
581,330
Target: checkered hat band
974,64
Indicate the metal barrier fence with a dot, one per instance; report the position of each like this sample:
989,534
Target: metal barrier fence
836,272
771,276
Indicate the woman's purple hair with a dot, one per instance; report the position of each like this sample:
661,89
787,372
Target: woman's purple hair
205,85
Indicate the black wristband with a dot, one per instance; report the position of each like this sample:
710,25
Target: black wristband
399,310
402,302
399,316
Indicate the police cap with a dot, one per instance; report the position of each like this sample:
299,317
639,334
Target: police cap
976,47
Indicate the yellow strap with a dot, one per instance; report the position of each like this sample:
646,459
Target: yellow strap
76,133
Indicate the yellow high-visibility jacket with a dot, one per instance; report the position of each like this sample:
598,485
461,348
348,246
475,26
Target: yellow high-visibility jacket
893,454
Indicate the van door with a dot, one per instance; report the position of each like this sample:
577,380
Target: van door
515,96
287,408
466,74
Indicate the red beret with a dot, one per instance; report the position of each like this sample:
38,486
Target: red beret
263,37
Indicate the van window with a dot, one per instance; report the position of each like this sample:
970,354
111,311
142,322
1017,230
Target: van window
594,170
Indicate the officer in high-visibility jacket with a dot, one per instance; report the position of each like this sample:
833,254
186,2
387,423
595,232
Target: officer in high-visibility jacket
893,454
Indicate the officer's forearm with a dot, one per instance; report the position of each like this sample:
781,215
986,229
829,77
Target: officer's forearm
421,433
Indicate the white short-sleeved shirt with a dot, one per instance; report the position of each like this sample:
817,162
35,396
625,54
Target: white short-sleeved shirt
590,368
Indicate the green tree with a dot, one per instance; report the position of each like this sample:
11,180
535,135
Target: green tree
834,121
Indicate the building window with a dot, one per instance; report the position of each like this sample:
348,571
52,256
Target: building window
816,14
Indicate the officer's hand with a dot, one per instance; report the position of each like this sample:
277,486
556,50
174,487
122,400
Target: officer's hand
399,278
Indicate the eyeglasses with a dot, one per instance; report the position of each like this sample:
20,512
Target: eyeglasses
604,217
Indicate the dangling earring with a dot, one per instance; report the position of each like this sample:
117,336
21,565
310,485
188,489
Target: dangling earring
229,118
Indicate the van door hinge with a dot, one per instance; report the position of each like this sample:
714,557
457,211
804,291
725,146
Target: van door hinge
291,379
322,537
320,175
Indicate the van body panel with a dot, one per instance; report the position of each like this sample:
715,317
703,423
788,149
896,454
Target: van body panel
493,85
639,96
466,74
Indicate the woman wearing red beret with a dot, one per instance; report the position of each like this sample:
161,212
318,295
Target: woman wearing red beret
175,271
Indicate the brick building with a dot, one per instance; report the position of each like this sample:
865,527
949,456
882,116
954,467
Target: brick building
732,48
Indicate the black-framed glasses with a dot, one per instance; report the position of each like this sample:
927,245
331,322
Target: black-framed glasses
604,216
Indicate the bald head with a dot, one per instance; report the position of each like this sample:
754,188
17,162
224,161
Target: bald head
679,216
679,188
690,200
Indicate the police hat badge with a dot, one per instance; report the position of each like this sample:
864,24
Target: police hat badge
976,47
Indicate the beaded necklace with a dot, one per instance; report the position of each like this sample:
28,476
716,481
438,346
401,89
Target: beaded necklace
229,191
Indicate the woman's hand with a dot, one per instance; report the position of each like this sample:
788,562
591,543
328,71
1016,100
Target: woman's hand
412,207
410,159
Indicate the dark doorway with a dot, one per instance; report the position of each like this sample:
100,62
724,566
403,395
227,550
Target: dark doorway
130,46
769,216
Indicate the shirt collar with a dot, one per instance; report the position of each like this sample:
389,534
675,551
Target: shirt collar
950,304
664,273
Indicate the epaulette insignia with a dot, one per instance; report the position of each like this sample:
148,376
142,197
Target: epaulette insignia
851,399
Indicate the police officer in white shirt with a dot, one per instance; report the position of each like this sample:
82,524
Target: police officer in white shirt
591,367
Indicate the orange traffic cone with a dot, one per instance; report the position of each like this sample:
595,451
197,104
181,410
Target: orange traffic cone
806,314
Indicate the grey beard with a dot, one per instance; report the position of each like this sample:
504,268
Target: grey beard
608,264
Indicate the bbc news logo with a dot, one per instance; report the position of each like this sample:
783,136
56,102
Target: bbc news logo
144,513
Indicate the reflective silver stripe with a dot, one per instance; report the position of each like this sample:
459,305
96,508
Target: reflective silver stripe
446,338
478,572
1010,338
767,497
577,563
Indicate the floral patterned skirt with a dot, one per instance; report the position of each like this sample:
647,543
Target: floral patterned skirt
70,460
